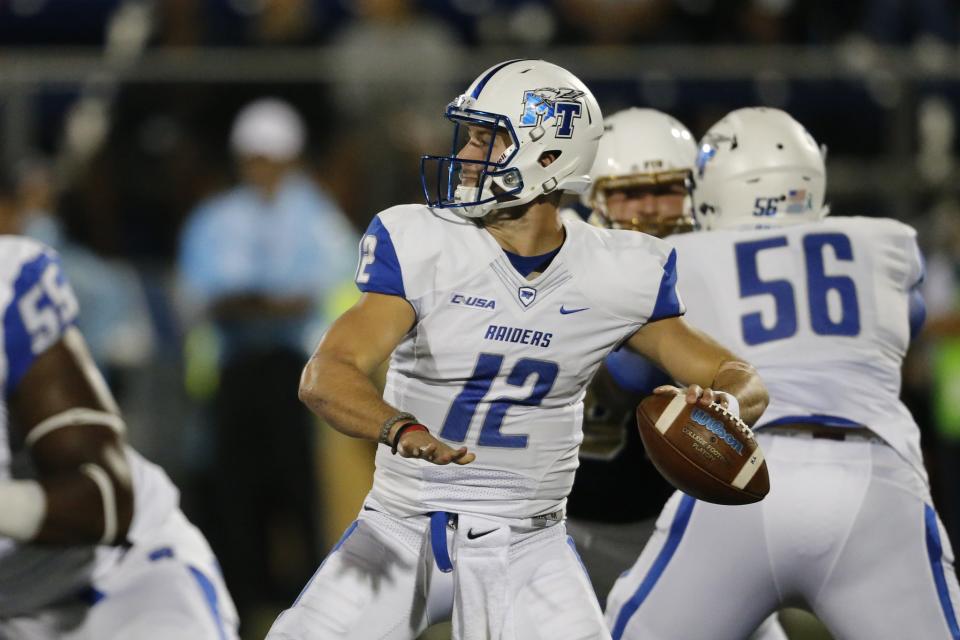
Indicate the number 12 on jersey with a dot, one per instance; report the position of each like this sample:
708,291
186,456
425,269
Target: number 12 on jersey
465,405
819,286
368,254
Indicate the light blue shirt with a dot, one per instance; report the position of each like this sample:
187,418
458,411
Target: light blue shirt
297,244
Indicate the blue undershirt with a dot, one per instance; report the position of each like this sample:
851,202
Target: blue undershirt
525,265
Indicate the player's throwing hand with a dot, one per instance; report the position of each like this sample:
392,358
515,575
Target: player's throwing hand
422,444
695,394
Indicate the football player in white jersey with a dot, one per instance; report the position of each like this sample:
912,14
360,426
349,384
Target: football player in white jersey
825,308
93,545
642,180
494,315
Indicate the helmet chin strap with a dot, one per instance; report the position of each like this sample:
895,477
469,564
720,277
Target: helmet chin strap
496,194
473,194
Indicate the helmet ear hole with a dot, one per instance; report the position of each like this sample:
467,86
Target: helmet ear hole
549,157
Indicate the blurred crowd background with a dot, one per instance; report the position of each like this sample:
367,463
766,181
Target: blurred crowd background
206,167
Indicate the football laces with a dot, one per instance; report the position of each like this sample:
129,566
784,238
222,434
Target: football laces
744,429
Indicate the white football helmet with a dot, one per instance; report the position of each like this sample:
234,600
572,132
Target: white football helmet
542,108
759,167
643,149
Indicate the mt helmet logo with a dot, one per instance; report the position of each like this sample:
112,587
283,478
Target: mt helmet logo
527,295
708,149
560,105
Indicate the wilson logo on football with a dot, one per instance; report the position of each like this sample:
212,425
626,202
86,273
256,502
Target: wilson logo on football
715,427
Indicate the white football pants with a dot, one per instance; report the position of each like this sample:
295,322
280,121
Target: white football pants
607,549
381,581
847,531
166,587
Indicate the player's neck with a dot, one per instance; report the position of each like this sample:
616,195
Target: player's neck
536,232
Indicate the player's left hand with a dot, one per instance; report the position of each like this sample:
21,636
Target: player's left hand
423,445
696,394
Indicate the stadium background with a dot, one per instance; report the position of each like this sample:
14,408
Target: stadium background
122,110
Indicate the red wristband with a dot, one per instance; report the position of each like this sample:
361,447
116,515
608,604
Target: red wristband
410,426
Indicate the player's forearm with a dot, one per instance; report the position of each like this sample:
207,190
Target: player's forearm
741,380
86,506
344,397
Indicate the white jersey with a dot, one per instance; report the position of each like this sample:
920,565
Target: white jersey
497,362
37,306
821,309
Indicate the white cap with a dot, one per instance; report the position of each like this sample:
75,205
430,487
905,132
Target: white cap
268,127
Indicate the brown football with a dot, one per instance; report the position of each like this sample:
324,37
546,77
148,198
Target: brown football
706,452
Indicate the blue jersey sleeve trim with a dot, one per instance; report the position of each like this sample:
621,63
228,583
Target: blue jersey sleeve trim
40,310
668,302
379,269
922,274
916,304
918,312
632,372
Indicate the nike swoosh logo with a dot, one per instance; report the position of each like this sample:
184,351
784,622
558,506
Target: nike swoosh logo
473,536
569,311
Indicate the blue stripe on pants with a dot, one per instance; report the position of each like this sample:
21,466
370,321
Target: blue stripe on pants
573,547
677,529
343,538
935,553
210,593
